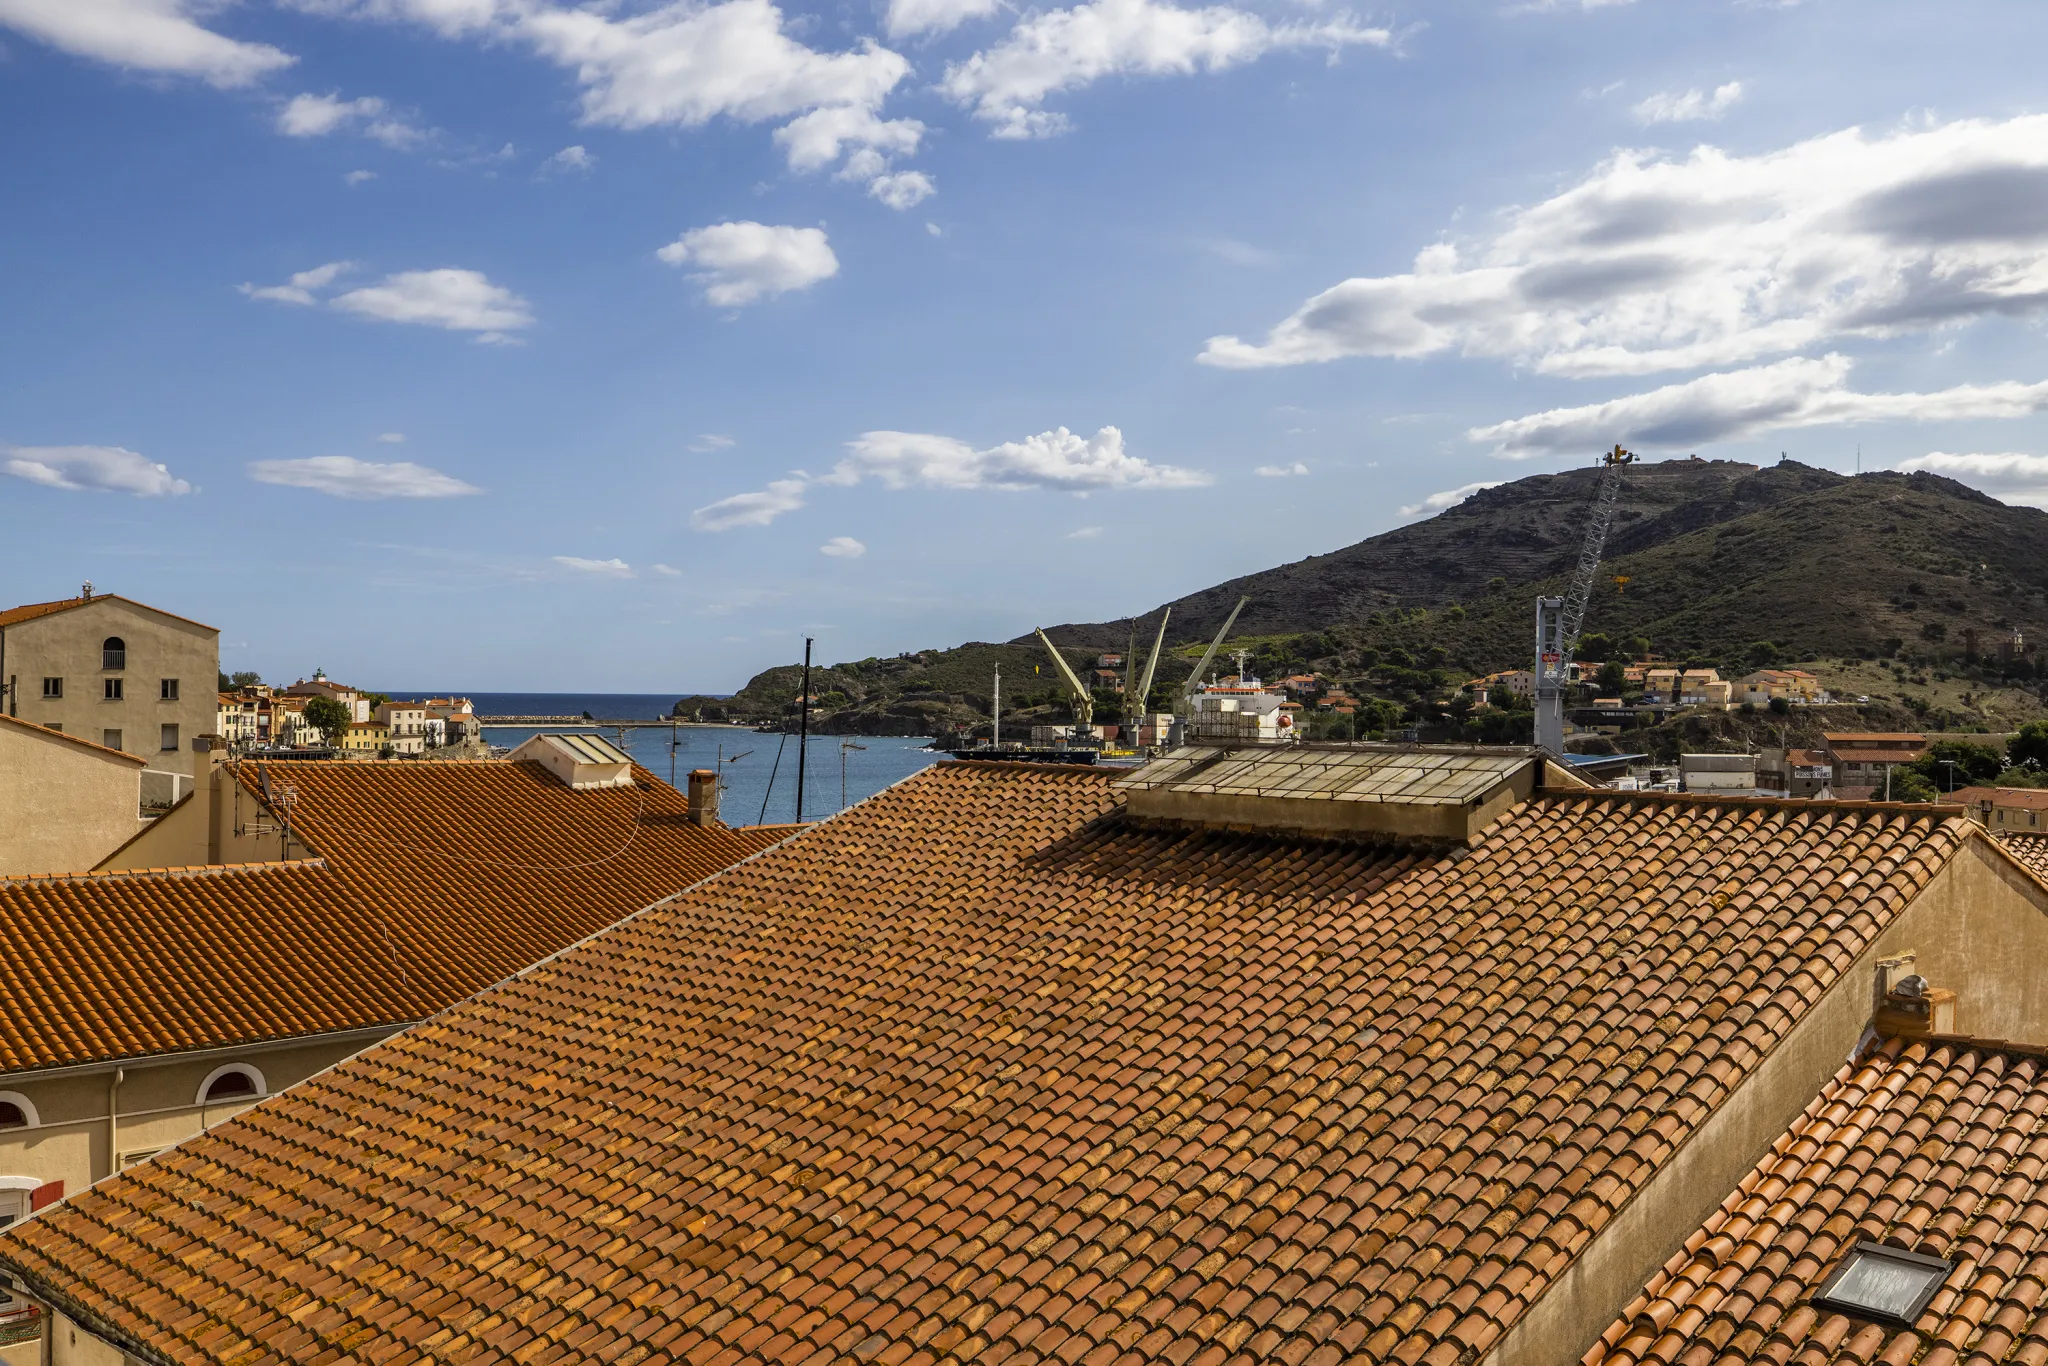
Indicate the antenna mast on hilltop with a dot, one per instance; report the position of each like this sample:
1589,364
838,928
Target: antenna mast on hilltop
1558,620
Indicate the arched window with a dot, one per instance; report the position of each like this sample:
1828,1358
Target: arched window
113,653
17,1111
236,1081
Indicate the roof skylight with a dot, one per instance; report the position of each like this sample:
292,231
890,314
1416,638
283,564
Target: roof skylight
1886,1284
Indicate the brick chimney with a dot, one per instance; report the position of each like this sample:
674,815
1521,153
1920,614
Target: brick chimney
703,796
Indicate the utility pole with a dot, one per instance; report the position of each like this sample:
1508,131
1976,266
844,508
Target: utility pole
995,707
803,743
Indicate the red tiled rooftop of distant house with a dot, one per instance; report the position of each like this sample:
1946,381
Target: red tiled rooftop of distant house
984,1070
2026,798
437,879
1938,1147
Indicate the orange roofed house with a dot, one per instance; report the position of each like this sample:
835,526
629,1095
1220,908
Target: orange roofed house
141,1004
1310,1056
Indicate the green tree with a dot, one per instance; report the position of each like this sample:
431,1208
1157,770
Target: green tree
1973,763
1762,655
2029,748
1909,786
2021,777
329,717
1612,677
244,678
1595,646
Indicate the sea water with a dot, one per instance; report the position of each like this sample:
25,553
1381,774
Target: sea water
839,769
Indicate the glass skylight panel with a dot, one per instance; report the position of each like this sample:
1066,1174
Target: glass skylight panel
1885,1284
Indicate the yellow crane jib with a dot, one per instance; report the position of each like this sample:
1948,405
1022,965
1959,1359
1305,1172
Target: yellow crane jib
1084,701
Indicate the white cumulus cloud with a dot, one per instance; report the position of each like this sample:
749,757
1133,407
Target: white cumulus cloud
160,36
1652,263
391,438
908,18
751,509
1085,533
104,469
2009,477
1281,471
1691,106
667,571
1738,404
343,476
738,263
313,116
1058,460
1059,50
300,288
903,189
681,64
459,300
610,569
569,159
355,178
843,547
1437,502
711,441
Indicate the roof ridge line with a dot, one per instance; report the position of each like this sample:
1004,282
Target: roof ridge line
1927,810
1973,1041
191,870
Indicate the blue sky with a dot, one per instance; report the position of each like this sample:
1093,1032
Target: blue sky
506,344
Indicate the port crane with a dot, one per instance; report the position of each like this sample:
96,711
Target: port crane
1202,667
1559,620
1134,702
1084,700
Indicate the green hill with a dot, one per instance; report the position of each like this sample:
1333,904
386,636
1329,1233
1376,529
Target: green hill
1711,562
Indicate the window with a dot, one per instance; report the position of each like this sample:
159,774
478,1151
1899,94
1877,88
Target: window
236,1081
167,691
1885,1284
111,739
170,739
53,688
113,689
17,1111
113,653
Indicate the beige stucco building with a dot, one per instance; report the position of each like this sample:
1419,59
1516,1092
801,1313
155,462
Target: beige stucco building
65,803
115,672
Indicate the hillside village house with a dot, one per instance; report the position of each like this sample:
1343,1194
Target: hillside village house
1795,772
406,725
141,1005
320,685
365,737
1304,1056
1687,687
115,672
65,803
2002,809
1865,759
1765,686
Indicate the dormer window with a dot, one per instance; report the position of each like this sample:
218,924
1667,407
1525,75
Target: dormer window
113,653
236,1081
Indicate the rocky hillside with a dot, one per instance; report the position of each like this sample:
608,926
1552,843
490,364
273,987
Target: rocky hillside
1710,561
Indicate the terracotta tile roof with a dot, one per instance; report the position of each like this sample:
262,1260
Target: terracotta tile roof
105,965
2031,850
14,616
2025,798
68,738
443,878
487,866
1938,1147
981,1071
